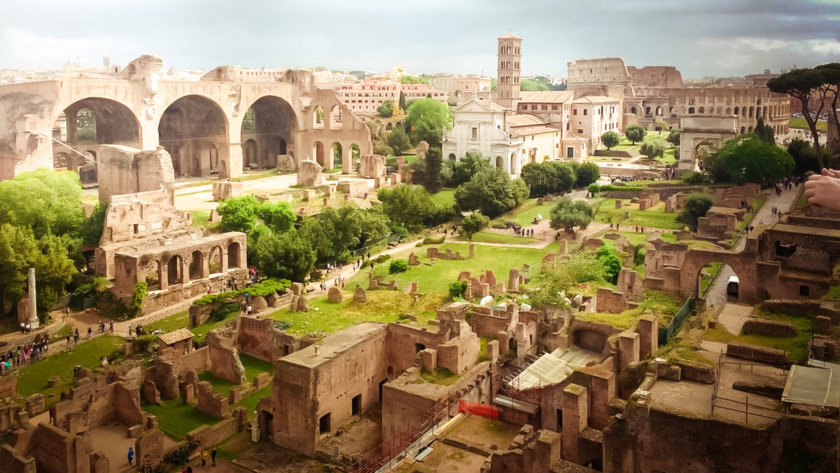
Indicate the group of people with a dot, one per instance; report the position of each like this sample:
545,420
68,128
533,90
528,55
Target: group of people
205,456
23,354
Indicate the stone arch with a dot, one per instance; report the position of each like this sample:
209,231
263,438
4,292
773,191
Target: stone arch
336,151
249,153
701,109
691,110
742,264
647,111
318,154
175,270
452,157
233,255
196,265
703,150
356,156
318,118
154,277
512,164
633,110
95,121
335,117
190,129
389,126
214,260
500,163
737,111
271,123
743,130
752,110
659,111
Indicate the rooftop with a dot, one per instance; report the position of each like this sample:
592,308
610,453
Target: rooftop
179,335
553,368
333,345
546,96
596,99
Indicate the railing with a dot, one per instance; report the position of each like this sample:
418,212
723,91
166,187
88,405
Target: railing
741,407
668,332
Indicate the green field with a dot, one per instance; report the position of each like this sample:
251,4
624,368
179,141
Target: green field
176,419
506,238
654,217
796,347
33,378
801,124
445,197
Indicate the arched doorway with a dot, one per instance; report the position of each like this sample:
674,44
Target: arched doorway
500,164
336,154
194,131
703,151
88,123
718,283
175,270
270,123
196,263
249,154
335,118
512,164
318,154
154,277
318,118
233,255
215,260
356,156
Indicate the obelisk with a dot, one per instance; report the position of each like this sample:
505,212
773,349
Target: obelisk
33,307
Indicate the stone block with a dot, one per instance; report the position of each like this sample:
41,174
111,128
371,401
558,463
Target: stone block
610,301
261,381
135,431
53,381
309,174
235,395
35,404
334,294
285,163
297,288
149,447
359,295
493,351
372,166
210,401
413,260
628,349
513,280
99,463
768,328
428,359
822,325
189,393
150,392
226,189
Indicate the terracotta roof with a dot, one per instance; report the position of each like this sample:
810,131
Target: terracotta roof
179,335
534,130
524,119
545,96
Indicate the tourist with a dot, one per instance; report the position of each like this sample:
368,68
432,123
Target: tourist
111,326
130,455
213,455
204,456
90,332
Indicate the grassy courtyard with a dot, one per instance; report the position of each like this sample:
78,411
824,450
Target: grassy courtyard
176,418
652,218
795,347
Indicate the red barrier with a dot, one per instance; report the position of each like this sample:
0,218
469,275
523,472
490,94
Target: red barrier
478,409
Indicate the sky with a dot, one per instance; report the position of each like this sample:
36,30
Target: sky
699,37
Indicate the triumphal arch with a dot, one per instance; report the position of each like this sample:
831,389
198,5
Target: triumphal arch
230,119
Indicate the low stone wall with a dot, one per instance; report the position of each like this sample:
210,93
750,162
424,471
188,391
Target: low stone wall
809,308
14,463
695,372
770,356
208,435
769,328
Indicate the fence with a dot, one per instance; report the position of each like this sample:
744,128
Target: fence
668,332
740,407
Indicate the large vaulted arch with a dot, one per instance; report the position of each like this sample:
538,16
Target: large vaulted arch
194,131
270,122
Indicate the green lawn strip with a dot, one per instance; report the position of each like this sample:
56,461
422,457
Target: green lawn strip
445,197
62,333
381,306
171,323
664,305
437,277
796,347
177,419
250,402
254,366
200,217
652,218
492,237
33,378
440,376
802,124
221,385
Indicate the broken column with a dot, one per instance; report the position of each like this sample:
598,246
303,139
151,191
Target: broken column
33,309
575,417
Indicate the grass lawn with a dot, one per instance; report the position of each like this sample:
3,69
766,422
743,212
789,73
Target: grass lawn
663,305
182,320
796,347
33,378
526,213
408,159
253,399
445,197
801,124
436,277
200,217
492,237
654,217
440,376
177,419
381,306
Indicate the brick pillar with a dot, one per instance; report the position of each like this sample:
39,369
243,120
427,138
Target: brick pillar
205,265
602,391
185,269
628,349
163,275
575,416
648,329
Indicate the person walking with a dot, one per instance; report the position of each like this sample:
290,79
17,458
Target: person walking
130,455
213,455
204,456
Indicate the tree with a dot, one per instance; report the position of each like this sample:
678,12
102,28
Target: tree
610,139
587,173
92,227
530,84
426,171
660,125
398,140
386,110
44,201
467,167
548,178
17,250
692,178
696,205
608,257
804,157
428,119
653,149
407,206
492,192
635,133
809,87
673,137
749,159
831,76
334,233
402,104
764,132
568,214
473,224
286,256
241,214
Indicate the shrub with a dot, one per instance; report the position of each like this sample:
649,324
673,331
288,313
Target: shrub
696,206
398,266
224,310
381,258
137,297
181,455
692,177
267,287
610,139
635,133
594,189
587,173
457,289
434,240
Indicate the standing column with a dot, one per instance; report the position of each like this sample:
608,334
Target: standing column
33,307
346,159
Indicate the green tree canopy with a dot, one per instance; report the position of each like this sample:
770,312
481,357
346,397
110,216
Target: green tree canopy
334,233
653,149
696,205
610,139
386,110
428,118
467,167
635,133
587,173
241,214
44,201
426,170
492,192
749,159
398,140
548,178
568,214
607,255
474,223
804,157
407,206
286,256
